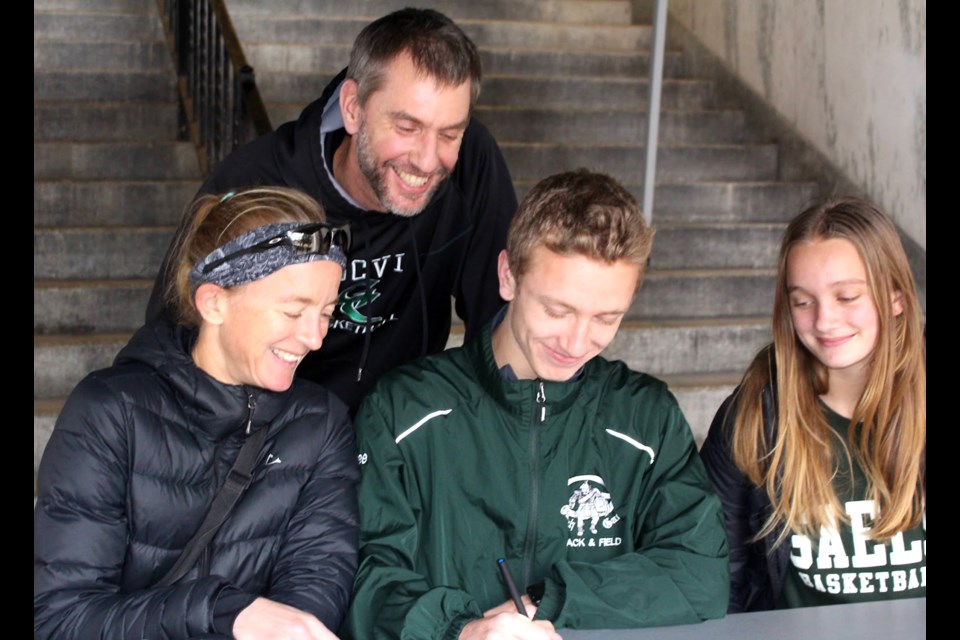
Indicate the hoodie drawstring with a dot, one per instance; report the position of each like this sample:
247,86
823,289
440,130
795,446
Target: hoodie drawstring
423,294
366,334
424,329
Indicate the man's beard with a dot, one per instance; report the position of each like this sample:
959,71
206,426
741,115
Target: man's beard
377,177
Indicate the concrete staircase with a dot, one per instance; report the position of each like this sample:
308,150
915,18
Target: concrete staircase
565,86
111,179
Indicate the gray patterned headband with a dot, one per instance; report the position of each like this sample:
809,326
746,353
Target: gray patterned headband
258,253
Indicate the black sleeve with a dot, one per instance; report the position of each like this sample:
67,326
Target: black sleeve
734,490
317,558
492,201
81,536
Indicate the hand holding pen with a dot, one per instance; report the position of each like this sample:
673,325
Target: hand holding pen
502,621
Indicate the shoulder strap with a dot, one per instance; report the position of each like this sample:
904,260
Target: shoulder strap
235,484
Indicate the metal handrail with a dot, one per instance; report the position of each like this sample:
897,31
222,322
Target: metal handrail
220,102
653,111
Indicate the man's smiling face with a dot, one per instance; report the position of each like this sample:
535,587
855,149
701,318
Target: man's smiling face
406,138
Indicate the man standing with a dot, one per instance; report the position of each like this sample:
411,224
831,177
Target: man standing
525,444
391,148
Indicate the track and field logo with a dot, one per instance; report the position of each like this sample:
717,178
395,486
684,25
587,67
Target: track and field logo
588,511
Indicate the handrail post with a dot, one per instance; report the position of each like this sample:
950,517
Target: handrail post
653,112
220,112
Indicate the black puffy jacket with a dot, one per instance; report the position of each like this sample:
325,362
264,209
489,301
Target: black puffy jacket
757,567
130,470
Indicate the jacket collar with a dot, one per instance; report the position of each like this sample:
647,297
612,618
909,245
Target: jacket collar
211,406
519,397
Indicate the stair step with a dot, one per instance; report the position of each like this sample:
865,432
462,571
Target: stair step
690,346
563,11
723,201
87,202
726,201
716,246
700,397
547,35
329,59
524,92
61,361
77,25
162,202
708,293
582,63
86,307
567,92
101,55
608,127
97,122
99,252
583,126
44,417
625,163
104,86
96,6
305,29
117,160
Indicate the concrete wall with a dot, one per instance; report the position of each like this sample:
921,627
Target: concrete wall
848,75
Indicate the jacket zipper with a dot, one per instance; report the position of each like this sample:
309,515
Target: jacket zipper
530,545
251,407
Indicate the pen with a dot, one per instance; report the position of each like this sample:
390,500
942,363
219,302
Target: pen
511,586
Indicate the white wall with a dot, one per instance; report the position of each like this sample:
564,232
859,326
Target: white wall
849,75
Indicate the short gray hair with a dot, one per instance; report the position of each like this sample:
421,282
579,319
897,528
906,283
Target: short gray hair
437,46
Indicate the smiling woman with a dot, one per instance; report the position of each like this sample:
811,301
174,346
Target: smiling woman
141,448
265,298
819,456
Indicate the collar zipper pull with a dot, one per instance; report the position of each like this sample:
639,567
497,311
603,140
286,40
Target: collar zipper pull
251,405
542,402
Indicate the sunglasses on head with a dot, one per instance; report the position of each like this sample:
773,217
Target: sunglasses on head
311,238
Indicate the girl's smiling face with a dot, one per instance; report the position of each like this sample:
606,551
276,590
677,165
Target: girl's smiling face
833,311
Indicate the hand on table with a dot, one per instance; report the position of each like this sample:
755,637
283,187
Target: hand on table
265,619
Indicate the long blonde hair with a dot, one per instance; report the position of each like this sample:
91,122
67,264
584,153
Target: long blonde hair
797,467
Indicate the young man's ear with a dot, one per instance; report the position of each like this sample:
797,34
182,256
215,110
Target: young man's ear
508,284
350,107
210,299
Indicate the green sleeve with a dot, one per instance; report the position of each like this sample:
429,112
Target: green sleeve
678,572
391,594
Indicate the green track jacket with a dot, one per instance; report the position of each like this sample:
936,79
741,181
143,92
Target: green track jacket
593,486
